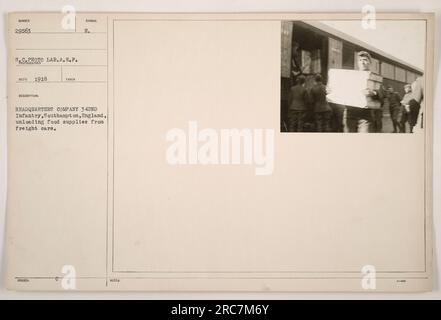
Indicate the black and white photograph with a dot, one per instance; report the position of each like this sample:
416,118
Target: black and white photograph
352,76
152,150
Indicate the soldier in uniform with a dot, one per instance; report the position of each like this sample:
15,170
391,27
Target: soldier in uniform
297,105
418,95
361,119
411,108
377,114
322,111
396,110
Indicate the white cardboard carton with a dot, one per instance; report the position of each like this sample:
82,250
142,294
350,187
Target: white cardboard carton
347,87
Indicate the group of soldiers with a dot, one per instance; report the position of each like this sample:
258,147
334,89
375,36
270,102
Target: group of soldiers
329,117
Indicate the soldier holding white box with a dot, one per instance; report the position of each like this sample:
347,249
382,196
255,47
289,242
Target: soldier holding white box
359,92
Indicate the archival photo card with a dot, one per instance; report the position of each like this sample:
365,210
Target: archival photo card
205,152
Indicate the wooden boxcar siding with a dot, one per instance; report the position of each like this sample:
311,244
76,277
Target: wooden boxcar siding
348,56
